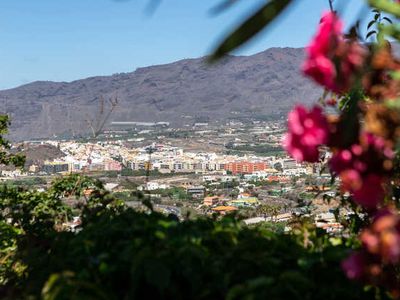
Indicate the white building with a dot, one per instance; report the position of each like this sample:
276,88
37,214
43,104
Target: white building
152,186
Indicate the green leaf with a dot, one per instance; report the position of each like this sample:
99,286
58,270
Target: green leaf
395,75
370,33
386,6
370,24
395,104
390,30
387,19
247,30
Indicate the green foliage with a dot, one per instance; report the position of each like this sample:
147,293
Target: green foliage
7,158
268,210
127,172
349,125
227,185
259,148
387,6
8,245
75,185
31,211
378,21
306,196
272,226
173,193
392,31
126,254
126,196
249,28
128,184
26,218
27,182
111,174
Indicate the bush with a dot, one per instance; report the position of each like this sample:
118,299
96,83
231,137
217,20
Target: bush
135,255
119,253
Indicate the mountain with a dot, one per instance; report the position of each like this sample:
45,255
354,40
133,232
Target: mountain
263,85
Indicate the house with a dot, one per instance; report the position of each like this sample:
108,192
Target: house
224,209
57,167
33,169
318,188
196,191
212,200
244,202
152,186
110,186
243,195
245,167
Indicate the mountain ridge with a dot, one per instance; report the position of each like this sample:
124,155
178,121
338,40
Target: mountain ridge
264,84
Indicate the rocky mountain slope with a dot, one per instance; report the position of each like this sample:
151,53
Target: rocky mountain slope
258,86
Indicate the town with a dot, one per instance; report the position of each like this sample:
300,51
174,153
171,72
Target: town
201,170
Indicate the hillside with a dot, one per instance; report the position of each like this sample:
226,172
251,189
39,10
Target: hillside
262,85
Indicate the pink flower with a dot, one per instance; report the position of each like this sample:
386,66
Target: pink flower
376,263
352,58
351,180
322,70
328,35
370,193
383,236
331,60
354,266
362,169
307,130
319,65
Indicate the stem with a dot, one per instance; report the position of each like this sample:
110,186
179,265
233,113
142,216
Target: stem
331,5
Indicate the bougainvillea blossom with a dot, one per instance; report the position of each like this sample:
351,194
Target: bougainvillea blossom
354,265
331,59
318,64
307,131
382,238
363,168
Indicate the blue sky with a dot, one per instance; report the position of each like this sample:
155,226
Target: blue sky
65,40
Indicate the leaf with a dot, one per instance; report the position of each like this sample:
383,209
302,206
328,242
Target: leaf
222,6
247,30
353,32
370,24
386,6
395,75
391,30
387,19
370,33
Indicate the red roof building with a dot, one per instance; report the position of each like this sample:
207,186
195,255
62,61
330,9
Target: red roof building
245,167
